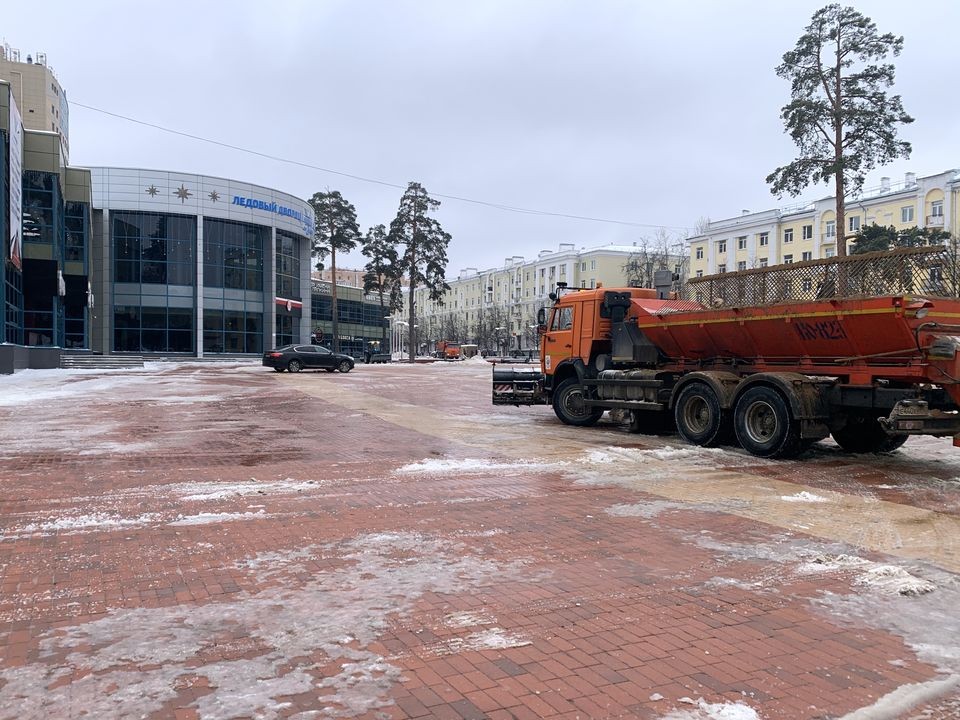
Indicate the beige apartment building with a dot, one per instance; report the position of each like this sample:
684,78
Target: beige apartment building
809,232
497,308
37,92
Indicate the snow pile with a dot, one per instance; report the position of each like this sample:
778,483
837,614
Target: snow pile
82,523
201,491
432,466
805,497
209,518
888,579
905,698
713,711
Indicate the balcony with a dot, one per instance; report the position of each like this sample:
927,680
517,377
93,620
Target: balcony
935,221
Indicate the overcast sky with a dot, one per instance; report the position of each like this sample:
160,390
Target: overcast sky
655,114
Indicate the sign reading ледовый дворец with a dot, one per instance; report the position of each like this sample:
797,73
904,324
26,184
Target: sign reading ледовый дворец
305,220
15,182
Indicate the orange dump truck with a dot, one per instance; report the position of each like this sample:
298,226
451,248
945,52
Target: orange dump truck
448,350
772,376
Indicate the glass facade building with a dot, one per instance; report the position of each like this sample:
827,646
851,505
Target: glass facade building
196,265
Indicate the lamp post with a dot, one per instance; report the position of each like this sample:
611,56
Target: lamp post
497,331
400,324
386,331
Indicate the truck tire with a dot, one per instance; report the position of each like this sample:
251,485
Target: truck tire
764,425
569,407
698,415
862,433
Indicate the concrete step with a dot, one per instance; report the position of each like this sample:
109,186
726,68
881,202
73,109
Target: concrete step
99,362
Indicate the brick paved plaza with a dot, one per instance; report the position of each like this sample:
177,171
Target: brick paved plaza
215,540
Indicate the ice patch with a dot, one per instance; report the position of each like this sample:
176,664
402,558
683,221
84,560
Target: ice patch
467,619
905,698
714,711
647,509
256,649
806,497
219,491
494,638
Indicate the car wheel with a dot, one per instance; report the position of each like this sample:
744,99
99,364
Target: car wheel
344,366
294,366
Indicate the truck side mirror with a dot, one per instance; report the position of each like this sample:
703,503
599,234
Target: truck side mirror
542,316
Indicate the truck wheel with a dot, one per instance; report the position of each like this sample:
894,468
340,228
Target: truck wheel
569,407
862,433
764,426
699,416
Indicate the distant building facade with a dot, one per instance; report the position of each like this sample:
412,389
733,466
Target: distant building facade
809,232
497,308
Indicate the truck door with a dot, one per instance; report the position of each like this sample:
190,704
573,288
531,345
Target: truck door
558,340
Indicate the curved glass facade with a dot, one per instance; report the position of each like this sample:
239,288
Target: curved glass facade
196,265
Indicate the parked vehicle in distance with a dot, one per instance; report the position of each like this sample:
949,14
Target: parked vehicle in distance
294,358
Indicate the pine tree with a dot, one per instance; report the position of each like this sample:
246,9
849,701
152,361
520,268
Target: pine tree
840,115
335,230
422,249
381,276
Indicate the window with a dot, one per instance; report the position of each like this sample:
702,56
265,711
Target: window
906,214
829,252
699,273
742,265
854,223
788,259
831,230
288,265
763,262
806,285
583,267
233,254
593,264
562,319
722,246
700,253
764,239
593,283
788,235
936,208
807,232
721,268
742,242
807,255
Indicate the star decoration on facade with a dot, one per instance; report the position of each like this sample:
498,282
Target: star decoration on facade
152,190
214,195
182,193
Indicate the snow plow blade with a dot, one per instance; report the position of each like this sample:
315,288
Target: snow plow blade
518,386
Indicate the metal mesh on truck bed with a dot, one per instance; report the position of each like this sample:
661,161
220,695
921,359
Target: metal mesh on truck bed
928,271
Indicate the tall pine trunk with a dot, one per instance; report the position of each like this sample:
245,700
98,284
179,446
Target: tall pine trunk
333,298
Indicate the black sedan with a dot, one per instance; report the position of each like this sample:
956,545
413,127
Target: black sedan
295,358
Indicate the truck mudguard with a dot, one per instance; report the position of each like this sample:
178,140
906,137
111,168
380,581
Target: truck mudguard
724,384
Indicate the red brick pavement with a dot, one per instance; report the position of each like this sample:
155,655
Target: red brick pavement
259,555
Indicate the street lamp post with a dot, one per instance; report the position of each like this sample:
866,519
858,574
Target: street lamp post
499,330
401,324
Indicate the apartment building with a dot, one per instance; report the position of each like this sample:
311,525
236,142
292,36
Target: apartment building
34,86
497,308
809,232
